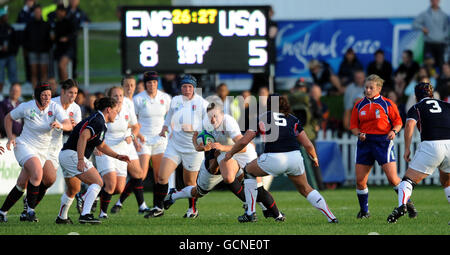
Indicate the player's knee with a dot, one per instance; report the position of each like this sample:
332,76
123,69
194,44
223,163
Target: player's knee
410,181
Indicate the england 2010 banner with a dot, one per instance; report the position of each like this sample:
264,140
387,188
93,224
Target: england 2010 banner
298,42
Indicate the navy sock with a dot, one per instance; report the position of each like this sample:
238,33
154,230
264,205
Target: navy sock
363,200
14,195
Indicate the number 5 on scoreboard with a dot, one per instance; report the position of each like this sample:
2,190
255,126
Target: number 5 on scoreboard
148,53
256,49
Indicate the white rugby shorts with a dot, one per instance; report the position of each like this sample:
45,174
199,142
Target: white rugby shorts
290,163
23,152
191,161
68,159
431,155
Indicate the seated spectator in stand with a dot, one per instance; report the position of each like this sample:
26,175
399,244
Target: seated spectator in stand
221,97
349,64
139,86
37,43
263,93
324,77
429,63
422,74
409,66
393,96
412,98
65,33
320,111
443,82
88,107
7,105
381,67
352,92
400,83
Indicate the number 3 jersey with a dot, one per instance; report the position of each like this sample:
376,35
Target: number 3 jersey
279,132
433,119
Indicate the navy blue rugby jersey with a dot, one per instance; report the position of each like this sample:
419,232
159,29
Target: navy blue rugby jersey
97,125
433,119
279,132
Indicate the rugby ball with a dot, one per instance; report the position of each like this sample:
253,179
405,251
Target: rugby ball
205,137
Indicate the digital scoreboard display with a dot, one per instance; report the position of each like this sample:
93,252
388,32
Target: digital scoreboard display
195,39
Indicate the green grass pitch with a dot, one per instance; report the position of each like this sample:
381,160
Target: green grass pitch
218,213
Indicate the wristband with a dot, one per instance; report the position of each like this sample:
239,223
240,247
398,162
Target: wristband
395,132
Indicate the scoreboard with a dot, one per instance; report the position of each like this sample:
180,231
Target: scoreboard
195,39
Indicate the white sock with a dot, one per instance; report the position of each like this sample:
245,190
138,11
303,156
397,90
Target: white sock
89,198
447,193
119,203
102,214
172,181
184,193
143,206
251,192
404,192
316,200
66,202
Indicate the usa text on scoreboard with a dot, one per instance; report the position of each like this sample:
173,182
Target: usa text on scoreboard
204,39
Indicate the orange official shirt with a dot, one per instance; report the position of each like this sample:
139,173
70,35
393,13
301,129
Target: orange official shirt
375,116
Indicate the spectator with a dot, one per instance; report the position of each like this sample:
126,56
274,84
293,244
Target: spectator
8,50
434,23
393,96
421,75
81,97
53,86
37,43
349,64
88,108
301,105
352,93
25,16
221,97
244,117
381,67
320,111
443,82
139,86
409,66
429,64
263,94
7,105
400,83
170,84
324,77
78,18
65,33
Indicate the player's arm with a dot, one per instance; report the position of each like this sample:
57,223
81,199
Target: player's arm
66,125
227,148
104,148
241,143
81,147
409,130
8,122
303,139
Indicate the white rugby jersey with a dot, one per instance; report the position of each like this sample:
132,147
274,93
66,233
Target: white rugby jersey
73,111
150,113
185,112
36,128
118,130
229,129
